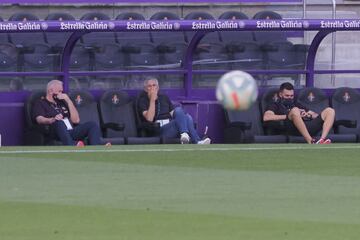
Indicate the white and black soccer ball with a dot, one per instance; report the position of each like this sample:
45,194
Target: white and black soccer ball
236,90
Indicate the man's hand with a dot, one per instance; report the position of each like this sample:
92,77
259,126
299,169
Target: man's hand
44,120
59,117
63,96
313,114
74,114
303,113
306,115
153,94
51,120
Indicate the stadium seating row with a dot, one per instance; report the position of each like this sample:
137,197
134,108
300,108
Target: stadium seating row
116,114
120,122
141,50
248,127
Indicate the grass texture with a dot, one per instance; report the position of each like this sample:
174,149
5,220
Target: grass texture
252,192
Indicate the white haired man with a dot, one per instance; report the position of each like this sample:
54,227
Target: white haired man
156,107
58,111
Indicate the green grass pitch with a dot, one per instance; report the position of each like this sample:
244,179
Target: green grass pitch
165,192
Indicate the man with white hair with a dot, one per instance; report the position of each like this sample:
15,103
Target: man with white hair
174,122
58,111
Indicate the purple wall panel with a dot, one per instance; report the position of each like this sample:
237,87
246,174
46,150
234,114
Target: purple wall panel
11,124
207,113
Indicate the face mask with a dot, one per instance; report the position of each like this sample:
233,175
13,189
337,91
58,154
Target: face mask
55,97
289,103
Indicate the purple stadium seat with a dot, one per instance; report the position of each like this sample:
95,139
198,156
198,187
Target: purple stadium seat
134,42
168,42
209,54
279,53
57,39
34,53
246,127
97,39
244,52
88,111
4,38
36,134
117,107
346,103
26,39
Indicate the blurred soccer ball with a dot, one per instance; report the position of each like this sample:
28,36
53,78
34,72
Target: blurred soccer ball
236,90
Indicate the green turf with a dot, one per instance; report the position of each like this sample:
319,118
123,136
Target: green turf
181,192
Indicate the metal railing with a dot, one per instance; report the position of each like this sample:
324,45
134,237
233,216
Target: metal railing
333,37
333,44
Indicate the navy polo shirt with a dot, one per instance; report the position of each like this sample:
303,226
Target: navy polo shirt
163,106
48,109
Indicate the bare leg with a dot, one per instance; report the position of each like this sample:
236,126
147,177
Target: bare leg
295,117
328,116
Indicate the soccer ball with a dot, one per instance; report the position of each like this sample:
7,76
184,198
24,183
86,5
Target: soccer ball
236,90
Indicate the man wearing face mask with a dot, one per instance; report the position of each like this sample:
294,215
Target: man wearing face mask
298,119
58,111
174,122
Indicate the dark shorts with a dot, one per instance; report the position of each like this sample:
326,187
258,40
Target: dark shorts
313,126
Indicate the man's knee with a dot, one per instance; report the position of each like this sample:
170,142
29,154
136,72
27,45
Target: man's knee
294,112
328,112
189,117
61,133
178,111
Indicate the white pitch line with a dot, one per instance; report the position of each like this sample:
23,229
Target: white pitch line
180,149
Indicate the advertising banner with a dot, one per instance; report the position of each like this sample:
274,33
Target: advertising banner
182,25
137,1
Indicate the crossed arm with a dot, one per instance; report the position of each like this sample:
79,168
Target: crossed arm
271,116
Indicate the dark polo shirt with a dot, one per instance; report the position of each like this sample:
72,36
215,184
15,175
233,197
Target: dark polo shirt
49,110
163,106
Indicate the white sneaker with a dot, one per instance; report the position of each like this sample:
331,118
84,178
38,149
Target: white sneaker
184,138
204,141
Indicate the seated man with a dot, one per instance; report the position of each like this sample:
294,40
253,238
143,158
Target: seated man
298,119
58,111
174,122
